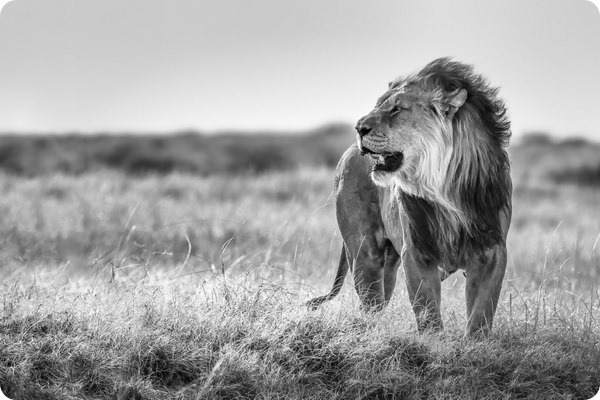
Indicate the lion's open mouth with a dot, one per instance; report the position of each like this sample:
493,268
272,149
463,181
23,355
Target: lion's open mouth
387,161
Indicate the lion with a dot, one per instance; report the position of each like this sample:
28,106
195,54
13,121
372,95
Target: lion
427,186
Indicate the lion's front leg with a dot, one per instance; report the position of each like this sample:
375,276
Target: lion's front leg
424,290
484,281
392,262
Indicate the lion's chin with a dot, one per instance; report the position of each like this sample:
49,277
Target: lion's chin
383,178
395,179
389,179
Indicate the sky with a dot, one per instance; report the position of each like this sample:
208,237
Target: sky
161,66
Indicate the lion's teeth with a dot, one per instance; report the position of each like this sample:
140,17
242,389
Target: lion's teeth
378,157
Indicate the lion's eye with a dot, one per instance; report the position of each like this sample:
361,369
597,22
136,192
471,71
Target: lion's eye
397,108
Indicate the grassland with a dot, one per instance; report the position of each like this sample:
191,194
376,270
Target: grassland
180,286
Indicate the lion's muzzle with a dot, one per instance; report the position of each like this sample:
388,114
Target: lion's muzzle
383,160
363,127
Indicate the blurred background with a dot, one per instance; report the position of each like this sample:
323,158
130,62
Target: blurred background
202,135
229,86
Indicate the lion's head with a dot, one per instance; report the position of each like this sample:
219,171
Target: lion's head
409,136
438,135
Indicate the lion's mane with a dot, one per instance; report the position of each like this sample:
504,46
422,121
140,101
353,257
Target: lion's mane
463,215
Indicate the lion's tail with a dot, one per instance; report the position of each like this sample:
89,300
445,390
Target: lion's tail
337,284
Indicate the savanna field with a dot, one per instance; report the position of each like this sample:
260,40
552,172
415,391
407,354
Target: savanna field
156,275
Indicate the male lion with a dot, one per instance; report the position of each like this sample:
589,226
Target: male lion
434,194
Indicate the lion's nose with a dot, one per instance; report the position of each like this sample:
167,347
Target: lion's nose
366,125
363,128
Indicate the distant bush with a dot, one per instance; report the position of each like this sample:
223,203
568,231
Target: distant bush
32,155
11,158
585,175
259,158
536,138
575,142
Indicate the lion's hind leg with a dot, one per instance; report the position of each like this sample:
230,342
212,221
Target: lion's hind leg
369,267
337,283
375,268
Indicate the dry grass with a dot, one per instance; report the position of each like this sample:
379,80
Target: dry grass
180,287
228,340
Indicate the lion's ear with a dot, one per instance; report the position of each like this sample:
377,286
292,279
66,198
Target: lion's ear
455,100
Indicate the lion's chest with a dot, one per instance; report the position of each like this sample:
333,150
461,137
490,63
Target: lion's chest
417,225
390,214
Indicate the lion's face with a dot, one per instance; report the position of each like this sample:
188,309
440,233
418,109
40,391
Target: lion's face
409,137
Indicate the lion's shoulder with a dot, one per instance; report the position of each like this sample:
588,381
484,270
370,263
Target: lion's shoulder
352,172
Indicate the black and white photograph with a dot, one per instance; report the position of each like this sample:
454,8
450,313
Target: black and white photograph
275,199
